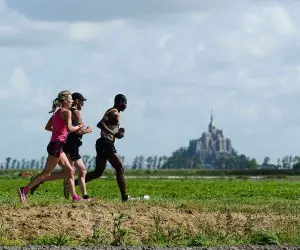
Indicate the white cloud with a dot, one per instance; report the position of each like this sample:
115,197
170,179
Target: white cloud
280,20
84,32
19,80
261,32
174,61
163,40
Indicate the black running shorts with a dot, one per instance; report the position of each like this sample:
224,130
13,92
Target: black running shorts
72,148
104,146
55,148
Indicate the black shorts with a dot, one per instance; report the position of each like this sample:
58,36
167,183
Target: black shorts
55,148
72,148
104,146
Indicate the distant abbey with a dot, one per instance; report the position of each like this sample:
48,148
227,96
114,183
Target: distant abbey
212,150
211,146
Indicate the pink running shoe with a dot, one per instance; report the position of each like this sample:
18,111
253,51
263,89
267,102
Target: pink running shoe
22,194
77,198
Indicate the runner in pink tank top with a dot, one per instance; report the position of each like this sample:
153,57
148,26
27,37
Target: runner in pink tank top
59,128
71,148
59,124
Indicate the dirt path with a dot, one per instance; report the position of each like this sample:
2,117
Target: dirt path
80,220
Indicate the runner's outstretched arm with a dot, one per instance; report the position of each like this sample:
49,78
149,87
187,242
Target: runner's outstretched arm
48,126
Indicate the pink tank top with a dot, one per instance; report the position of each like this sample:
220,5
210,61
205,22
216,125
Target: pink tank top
59,128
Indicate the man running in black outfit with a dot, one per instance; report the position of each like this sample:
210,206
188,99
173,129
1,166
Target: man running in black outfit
105,148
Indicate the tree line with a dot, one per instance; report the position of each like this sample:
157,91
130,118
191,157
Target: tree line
178,160
139,162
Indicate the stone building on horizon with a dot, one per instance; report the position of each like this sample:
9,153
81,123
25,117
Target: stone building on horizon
211,145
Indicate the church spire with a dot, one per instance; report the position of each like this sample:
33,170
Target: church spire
211,126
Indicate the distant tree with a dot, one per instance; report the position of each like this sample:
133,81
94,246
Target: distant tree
13,164
294,160
141,162
7,165
37,164
290,161
252,164
160,160
32,164
18,164
23,163
164,160
243,161
85,159
180,160
278,163
296,166
135,163
266,160
42,162
149,161
154,163
285,162
91,163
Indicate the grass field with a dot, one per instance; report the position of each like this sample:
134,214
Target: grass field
180,213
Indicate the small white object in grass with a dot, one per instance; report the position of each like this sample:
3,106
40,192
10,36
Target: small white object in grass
146,197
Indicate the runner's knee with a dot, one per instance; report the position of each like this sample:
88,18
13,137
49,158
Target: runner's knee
82,172
119,168
70,172
44,175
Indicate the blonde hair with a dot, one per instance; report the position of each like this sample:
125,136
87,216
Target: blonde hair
63,95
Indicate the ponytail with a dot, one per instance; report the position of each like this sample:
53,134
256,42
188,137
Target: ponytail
57,102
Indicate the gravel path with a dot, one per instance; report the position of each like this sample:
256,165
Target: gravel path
244,247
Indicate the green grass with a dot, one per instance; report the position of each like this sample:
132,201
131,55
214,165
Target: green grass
237,173
225,197
245,192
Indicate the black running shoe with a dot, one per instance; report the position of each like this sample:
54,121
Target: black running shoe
129,198
86,197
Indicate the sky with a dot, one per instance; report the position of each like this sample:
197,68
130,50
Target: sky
175,60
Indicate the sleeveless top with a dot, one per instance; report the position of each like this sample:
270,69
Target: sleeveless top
73,136
59,128
114,128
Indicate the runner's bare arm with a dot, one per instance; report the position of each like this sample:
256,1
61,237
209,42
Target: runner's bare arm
67,116
77,117
83,131
48,126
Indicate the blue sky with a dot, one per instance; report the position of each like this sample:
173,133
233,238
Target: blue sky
175,60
